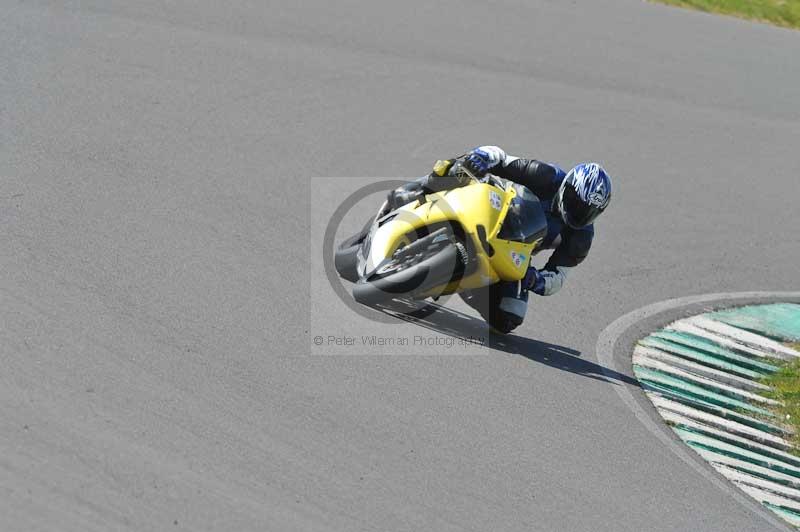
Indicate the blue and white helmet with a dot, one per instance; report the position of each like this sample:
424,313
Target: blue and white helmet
583,195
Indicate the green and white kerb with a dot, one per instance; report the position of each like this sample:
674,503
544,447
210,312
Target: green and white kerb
703,376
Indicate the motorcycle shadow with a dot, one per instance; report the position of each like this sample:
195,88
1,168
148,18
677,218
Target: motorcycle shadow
459,325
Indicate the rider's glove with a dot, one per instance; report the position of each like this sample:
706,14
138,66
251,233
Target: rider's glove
482,159
534,281
442,167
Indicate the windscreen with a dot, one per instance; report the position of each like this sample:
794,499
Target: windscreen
525,220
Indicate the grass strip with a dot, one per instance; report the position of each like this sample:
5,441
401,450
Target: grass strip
785,13
785,384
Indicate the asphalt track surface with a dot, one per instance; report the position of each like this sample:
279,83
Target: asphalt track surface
161,197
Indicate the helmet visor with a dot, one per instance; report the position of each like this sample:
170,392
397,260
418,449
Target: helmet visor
576,212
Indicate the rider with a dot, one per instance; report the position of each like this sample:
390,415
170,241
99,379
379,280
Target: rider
571,200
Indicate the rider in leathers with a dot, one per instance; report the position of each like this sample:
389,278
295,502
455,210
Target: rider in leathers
572,201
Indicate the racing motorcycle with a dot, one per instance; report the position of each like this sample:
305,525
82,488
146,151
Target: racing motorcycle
446,242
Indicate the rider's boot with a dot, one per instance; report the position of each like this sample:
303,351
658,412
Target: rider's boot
503,305
511,307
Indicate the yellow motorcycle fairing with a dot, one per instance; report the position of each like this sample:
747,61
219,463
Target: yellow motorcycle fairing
479,208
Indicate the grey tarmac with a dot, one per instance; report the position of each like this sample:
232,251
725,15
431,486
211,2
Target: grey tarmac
166,174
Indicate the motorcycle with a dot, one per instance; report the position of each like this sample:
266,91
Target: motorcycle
453,241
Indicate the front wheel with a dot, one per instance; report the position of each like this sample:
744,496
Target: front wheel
412,275
345,258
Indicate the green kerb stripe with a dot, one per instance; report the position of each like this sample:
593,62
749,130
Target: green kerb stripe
657,377
716,446
780,321
790,514
688,345
711,408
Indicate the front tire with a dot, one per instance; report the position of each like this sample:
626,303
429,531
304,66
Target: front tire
345,258
419,277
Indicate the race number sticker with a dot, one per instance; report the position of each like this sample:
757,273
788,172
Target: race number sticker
495,200
517,258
